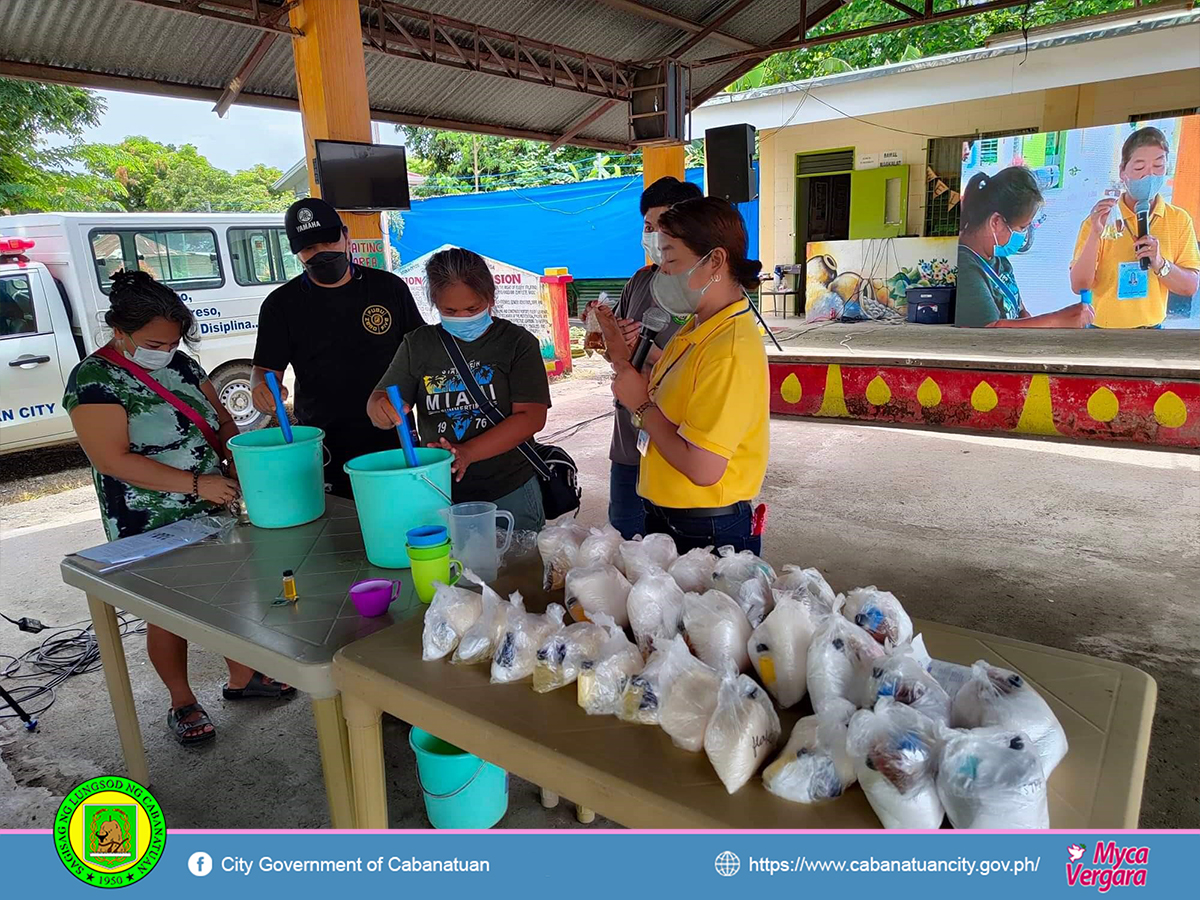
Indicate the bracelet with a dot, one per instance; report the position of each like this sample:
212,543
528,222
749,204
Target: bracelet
196,485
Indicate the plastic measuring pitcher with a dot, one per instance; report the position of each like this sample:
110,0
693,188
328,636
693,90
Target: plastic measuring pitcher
473,534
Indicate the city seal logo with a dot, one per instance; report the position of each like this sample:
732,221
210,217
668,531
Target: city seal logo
377,319
305,214
109,832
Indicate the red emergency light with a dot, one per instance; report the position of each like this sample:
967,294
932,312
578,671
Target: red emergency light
12,246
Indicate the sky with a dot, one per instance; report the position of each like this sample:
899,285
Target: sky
246,136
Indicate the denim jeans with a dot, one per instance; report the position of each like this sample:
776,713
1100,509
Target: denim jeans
626,511
525,503
731,530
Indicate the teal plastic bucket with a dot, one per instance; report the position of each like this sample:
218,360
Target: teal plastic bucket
283,484
461,790
392,499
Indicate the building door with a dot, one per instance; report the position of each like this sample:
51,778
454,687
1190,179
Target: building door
823,193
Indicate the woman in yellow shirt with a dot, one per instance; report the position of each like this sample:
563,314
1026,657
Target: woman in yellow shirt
703,412
1126,294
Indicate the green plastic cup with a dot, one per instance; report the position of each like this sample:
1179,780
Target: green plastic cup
430,564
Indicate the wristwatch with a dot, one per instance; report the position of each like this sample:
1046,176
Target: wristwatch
1165,270
636,418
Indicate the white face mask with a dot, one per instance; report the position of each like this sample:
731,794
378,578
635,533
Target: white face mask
150,360
651,245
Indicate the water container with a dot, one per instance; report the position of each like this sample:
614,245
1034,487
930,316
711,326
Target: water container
283,484
392,499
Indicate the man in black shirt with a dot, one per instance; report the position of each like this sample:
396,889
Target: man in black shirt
337,325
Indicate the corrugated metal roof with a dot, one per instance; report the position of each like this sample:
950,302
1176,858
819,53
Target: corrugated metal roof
123,43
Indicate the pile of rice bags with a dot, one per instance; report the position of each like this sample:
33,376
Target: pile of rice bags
599,588
904,679
879,614
479,642
995,697
655,610
840,650
559,548
735,569
561,655
778,650
639,699
814,765
599,548
895,751
602,679
742,732
812,585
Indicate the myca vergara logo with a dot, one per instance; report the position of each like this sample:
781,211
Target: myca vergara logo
109,832
377,319
1110,866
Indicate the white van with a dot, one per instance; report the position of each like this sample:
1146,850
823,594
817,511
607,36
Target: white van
53,296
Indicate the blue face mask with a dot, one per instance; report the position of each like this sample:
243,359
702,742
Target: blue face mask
1146,188
1015,242
468,328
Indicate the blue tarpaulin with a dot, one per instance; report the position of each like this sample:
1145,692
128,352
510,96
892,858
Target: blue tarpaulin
591,227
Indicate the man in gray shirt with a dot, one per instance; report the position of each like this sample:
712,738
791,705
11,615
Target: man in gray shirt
625,510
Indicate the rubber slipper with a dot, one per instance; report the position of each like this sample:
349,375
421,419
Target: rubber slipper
180,728
257,687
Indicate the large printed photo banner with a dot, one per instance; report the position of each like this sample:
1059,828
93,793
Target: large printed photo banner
1075,169
521,297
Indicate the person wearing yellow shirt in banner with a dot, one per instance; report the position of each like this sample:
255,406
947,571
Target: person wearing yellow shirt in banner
1126,295
702,413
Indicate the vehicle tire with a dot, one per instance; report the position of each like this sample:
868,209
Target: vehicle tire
232,384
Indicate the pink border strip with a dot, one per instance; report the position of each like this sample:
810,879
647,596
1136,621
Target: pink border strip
585,831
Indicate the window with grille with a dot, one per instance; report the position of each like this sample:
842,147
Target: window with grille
1164,114
945,156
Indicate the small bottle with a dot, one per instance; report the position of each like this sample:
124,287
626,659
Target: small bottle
289,586
1114,227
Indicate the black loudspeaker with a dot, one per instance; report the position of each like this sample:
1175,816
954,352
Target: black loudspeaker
729,163
658,104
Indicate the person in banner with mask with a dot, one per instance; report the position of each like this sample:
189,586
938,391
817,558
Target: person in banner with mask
625,510
998,216
703,411
337,325
1125,294
154,431
506,363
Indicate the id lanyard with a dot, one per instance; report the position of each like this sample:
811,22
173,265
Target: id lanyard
1007,291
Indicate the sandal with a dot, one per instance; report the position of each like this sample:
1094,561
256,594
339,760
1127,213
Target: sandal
180,728
257,686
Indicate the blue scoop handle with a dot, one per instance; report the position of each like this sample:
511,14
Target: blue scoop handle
284,425
406,438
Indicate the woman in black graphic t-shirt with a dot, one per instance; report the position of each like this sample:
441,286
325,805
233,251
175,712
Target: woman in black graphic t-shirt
506,361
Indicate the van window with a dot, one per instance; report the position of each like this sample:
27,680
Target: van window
181,259
260,256
16,307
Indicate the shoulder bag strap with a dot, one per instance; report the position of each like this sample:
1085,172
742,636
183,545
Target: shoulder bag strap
481,399
110,355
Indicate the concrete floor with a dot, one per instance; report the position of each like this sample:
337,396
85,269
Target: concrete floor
1092,549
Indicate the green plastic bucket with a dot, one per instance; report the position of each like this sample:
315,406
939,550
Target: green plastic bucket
283,484
461,791
392,499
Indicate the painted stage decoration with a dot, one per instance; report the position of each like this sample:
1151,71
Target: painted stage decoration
1133,410
848,280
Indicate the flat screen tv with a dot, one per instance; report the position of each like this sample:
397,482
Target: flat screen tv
362,176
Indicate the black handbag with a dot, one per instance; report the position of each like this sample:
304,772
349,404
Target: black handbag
557,473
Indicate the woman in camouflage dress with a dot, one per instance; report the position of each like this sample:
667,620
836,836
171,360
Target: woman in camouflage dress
151,463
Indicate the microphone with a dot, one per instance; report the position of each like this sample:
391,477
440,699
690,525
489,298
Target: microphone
1143,222
654,320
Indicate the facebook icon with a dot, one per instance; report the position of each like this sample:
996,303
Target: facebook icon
200,864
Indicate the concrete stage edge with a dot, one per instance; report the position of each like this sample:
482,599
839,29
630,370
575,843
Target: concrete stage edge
1138,386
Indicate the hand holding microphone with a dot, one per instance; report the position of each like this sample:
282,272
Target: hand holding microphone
654,320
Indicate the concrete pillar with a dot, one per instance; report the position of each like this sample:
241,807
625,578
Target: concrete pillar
331,78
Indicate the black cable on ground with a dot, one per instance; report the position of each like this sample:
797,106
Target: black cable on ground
64,654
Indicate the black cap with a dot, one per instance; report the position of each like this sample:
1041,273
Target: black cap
311,221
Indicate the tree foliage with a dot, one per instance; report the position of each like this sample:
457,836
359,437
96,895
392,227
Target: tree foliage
33,176
909,44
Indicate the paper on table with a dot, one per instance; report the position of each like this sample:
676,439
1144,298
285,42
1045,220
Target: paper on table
152,543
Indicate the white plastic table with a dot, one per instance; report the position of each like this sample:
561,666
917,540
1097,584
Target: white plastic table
219,595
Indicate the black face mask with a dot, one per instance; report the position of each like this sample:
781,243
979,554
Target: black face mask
327,267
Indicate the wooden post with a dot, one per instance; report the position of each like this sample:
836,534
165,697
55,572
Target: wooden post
331,78
660,161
